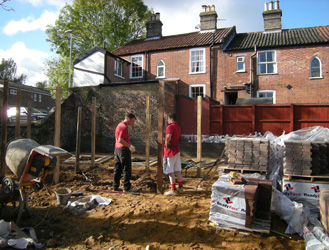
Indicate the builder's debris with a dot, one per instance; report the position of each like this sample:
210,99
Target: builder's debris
86,159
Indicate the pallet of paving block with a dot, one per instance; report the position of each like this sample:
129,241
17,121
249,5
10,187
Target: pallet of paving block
258,226
227,169
307,178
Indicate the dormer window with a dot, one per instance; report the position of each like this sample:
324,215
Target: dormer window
160,69
118,68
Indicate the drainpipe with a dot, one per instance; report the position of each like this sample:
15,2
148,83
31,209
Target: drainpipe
146,65
255,49
210,64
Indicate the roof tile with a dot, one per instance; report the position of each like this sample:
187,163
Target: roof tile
187,40
287,37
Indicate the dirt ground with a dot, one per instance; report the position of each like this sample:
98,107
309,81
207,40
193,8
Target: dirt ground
135,221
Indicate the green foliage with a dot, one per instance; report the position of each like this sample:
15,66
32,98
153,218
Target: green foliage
105,23
8,69
41,85
57,73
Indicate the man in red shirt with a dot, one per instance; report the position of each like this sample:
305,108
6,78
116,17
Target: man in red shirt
171,161
122,153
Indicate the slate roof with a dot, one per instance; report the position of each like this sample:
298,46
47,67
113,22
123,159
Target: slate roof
287,37
187,40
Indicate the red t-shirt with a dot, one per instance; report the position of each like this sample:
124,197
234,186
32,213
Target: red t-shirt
121,131
174,130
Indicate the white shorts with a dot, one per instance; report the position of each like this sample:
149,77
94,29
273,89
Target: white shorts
172,164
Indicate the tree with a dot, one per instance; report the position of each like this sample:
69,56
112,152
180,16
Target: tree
41,85
2,4
105,23
8,70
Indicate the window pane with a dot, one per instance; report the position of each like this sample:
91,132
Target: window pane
270,68
261,57
197,61
262,68
269,57
239,66
160,71
315,67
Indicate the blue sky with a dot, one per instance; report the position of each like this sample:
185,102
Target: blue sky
23,38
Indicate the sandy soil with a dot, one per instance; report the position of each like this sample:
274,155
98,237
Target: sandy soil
136,221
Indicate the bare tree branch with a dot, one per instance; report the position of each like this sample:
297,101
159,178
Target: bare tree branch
2,4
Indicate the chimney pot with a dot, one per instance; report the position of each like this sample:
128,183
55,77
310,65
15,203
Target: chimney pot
157,16
204,8
270,5
212,7
265,7
276,5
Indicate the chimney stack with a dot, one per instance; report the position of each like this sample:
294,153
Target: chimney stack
154,26
272,17
208,18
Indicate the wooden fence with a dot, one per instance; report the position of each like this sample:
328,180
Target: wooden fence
276,118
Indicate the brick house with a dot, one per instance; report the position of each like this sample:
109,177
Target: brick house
41,98
288,65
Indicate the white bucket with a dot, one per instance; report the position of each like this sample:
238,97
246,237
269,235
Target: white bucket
63,195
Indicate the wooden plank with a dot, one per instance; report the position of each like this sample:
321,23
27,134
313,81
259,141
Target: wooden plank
29,110
307,178
199,135
147,135
4,128
226,169
160,136
57,136
93,130
18,113
78,140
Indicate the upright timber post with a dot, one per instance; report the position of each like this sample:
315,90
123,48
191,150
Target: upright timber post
93,131
57,137
18,113
78,140
29,111
4,128
199,135
160,136
147,135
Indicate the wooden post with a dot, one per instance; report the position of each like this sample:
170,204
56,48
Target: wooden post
4,128
160,137
199,135
93,131
78,140
147,135
57,136
18,113
29,110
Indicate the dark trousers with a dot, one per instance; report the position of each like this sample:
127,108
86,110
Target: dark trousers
122,165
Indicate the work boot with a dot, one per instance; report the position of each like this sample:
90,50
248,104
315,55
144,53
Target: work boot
180,190
171,192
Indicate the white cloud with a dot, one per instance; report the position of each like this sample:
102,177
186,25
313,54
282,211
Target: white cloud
28,61
57,3
30,24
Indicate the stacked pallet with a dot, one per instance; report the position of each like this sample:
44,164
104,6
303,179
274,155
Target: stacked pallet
248,153
305,157
324,204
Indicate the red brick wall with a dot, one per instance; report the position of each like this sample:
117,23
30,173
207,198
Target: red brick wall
109,71
293,66
176,66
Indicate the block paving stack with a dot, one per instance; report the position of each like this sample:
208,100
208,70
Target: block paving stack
305,157
248,153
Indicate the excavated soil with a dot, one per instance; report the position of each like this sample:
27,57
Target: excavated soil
135,221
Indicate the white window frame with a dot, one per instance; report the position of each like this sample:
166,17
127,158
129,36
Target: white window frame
13,91
275,67
140,64
40,98
320,68
35,97
118,68
197,85
240,62
203,60
163,67
268,91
